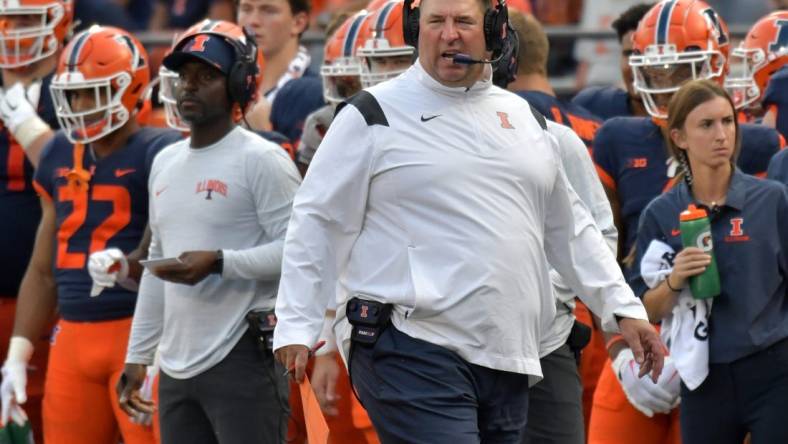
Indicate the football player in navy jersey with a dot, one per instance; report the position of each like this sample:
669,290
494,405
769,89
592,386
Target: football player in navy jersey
32,37
92,179
532,84
293,103
763,53
611,101
341,78
775,101
677,40
778,167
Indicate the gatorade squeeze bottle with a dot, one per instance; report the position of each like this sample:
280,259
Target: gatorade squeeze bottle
696,232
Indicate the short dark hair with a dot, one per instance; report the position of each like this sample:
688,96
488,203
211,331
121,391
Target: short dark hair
629,19
297,6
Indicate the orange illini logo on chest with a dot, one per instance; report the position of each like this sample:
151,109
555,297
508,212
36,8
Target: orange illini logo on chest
210,186
505,124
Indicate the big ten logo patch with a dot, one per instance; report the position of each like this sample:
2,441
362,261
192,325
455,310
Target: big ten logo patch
637,162
211,186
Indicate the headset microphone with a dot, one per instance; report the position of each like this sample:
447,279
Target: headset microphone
465,59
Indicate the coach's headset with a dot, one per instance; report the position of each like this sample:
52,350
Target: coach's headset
495,21
241,80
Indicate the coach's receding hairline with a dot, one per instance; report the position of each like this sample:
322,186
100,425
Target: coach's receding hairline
483,3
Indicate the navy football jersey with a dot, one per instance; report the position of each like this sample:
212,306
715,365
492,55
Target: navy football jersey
109,210
18,198
631,158
776,97
293,103
279,139
604,102
582,122
778,167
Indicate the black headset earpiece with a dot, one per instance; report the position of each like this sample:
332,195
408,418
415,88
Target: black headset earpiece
495,20
241,85
410,24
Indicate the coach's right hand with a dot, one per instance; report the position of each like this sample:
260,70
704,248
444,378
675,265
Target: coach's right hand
13,387
294,358
128,390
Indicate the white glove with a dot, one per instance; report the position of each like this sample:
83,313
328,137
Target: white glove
107,267
18,112
12,389
642,393
15,107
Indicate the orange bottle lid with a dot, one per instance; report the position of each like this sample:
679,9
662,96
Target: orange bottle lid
692,213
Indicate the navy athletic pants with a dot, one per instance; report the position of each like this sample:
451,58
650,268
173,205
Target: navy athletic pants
418,392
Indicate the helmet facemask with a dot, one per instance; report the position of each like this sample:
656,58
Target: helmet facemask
105,116
661,71
27,33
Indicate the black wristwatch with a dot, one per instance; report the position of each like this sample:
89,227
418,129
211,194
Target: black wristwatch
218,266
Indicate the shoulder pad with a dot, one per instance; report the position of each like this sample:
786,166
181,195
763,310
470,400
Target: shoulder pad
368,106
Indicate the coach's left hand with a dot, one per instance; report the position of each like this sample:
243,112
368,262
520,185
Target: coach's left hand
194,267
294,358
646,346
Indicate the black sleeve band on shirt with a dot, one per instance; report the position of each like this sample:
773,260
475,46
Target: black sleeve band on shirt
539,117
368,106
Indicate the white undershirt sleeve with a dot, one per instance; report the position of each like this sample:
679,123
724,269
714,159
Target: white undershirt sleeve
273,180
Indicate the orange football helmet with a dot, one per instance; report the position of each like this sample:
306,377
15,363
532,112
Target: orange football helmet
763,52
374,5
677,40
341,69
112,64
32,30
384,51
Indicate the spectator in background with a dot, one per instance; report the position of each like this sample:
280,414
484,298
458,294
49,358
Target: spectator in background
559,13
611,101
180,14
597,57
278,26
131,15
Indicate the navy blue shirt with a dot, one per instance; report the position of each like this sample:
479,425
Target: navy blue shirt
750,238
113,212
19,205
604,102
582,122
631,157
776,96
296,100
778,167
